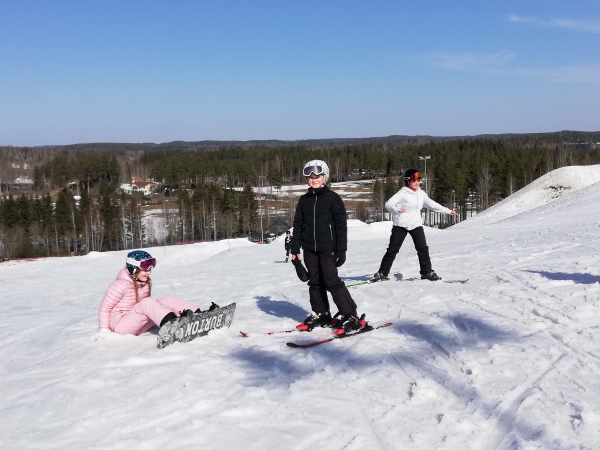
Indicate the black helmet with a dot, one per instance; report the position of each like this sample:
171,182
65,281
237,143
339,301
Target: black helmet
412,175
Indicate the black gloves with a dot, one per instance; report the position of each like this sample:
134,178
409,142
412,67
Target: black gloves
340,259
300,270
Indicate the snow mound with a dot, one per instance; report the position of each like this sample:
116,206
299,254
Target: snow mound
571,211
196,253
94,254
356,223
546,189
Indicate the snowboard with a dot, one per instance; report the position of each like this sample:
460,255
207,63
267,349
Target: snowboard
188,328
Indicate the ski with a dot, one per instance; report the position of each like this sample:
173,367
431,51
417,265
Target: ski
337,336
361,283
246,335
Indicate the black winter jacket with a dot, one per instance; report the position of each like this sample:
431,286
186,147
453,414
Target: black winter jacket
320,223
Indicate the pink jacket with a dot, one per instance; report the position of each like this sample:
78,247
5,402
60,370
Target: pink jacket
119,299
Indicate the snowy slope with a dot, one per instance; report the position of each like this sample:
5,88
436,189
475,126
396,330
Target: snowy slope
510,360
546,189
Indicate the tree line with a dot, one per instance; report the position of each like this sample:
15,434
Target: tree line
40,225
492,168
74,204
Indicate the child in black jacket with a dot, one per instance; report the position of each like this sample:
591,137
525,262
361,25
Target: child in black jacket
320,229
287,244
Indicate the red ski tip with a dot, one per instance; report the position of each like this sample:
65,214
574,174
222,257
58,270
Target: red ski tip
243,333
339,331
302,327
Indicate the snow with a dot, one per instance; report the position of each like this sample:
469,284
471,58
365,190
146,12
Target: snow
510,360
545,189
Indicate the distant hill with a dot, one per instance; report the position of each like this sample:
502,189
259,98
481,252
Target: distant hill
557,137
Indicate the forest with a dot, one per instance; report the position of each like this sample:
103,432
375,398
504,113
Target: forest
73,203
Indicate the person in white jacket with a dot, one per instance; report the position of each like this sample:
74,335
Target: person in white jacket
405,207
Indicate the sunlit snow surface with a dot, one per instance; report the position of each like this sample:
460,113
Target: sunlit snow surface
510,360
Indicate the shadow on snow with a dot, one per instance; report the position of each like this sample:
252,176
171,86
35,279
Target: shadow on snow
466,333
281,308
280,369
577,278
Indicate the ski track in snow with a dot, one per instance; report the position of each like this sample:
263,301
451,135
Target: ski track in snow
509,360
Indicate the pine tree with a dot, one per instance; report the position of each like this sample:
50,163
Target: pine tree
43,216
108,211
38,179
25,221
378,198
62,218
390,187
85,218
248,209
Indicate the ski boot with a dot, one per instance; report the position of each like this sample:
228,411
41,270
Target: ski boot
431,276
169,326
188,312
322,319
379,277
336,319
171,317
350,323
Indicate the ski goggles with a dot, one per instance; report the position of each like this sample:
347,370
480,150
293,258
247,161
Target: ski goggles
414,177
308,171
145,265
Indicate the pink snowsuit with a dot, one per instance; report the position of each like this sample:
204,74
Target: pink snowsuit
120,313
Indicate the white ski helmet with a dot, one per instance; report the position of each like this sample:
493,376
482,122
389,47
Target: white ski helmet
317,167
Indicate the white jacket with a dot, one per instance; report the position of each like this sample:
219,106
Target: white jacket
412,202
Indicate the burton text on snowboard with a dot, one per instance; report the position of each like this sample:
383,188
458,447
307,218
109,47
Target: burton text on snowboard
186,328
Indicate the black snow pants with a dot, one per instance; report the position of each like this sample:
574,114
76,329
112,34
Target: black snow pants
396,240
323,277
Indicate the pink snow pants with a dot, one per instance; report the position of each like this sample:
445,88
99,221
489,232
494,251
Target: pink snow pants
149,312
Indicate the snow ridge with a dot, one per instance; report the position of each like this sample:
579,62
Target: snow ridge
546,189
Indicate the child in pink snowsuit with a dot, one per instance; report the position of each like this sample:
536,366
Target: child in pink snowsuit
128,308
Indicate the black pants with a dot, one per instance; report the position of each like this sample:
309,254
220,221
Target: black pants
396,240
323,277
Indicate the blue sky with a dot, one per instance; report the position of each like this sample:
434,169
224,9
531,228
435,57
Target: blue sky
158,71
